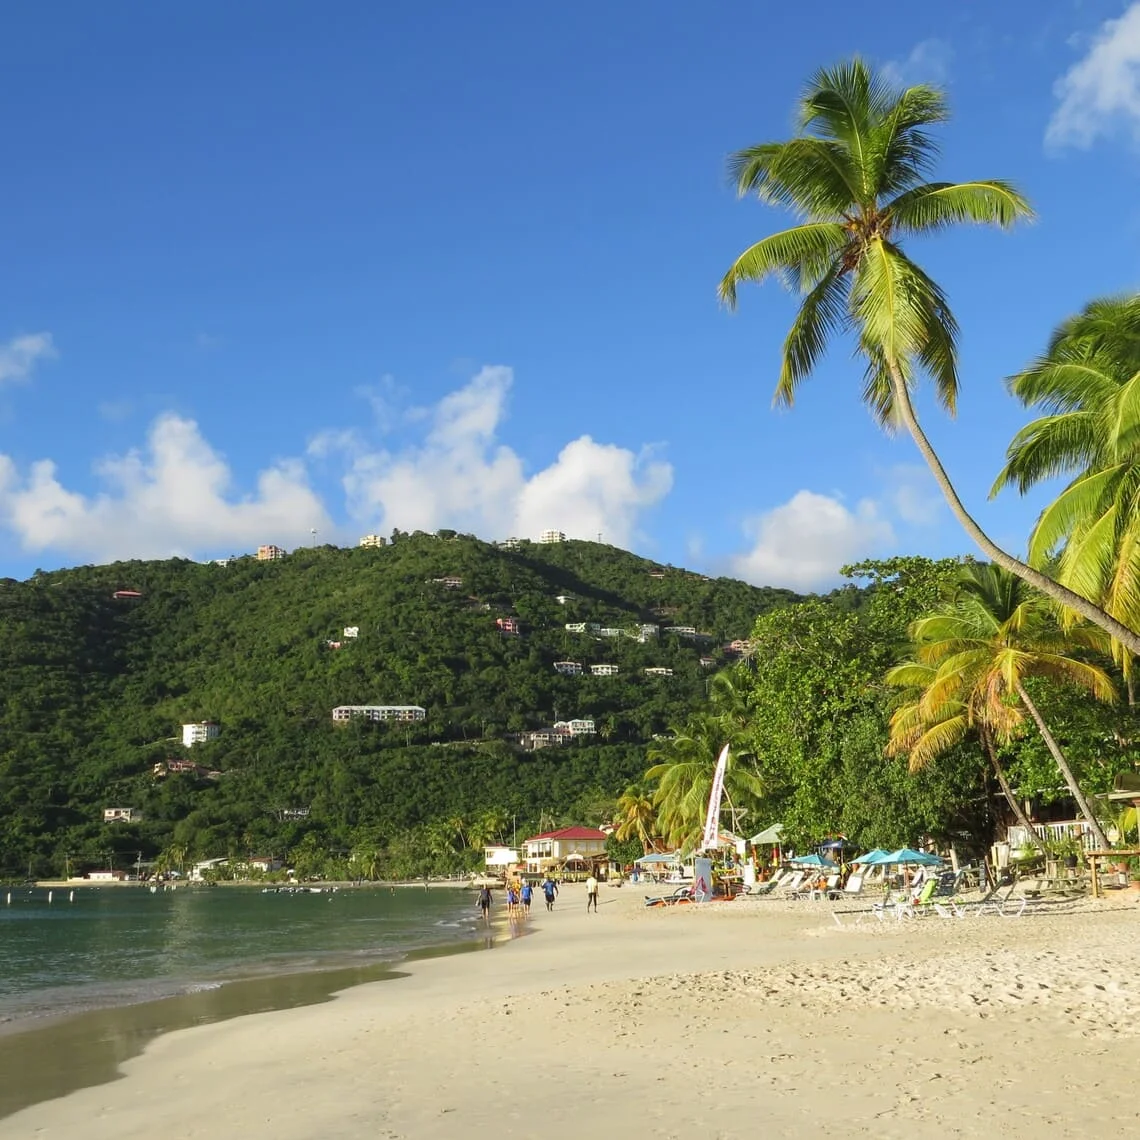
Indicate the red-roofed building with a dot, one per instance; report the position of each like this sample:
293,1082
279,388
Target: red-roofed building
542,851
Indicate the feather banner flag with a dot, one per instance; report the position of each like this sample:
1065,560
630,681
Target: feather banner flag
712,819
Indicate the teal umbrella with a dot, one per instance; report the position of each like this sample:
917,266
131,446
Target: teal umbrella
909,855
813,861
873,856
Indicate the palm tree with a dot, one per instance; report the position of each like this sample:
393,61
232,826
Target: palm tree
856,175
1088,381
636,816
936,719
683,766
984,644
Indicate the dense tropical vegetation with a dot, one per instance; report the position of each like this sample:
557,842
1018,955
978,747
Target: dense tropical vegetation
95,690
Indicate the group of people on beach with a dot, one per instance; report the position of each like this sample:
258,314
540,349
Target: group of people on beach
520,893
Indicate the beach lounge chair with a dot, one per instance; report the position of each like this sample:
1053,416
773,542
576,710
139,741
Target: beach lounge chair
680,895
759,890
790,888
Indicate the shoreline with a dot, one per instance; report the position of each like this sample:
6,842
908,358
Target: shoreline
681,1022
87,1047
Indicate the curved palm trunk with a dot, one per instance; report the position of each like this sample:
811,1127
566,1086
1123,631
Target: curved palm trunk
1042,582
1063,765
1014,803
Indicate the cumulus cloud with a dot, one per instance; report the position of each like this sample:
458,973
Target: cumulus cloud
802,543
459,475
20,355
1101,91
928,62
175,496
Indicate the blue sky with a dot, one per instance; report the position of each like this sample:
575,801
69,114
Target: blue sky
276,267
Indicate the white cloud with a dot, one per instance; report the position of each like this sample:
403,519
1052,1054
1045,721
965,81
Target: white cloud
460,475
173,497
1101,90
928,62
19,356
803,543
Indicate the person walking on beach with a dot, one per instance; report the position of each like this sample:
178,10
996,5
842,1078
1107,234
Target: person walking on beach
591,893
512,900
549,890
525,897
484,903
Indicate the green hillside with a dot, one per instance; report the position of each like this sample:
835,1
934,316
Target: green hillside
95,691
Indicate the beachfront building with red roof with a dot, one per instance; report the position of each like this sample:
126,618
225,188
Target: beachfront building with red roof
551,847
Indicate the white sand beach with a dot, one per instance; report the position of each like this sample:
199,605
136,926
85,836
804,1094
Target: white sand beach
731,1020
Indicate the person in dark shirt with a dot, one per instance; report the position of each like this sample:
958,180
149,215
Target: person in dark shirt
549,890
484,903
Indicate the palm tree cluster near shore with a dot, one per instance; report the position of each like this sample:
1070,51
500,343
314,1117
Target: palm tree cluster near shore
858,177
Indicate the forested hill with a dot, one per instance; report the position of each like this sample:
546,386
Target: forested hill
96,689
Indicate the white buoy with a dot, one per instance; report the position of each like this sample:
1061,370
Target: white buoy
50,893
9,898
71,896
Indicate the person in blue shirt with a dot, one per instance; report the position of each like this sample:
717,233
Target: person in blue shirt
525,896
549,890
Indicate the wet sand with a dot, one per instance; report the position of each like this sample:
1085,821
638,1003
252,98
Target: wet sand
721,1021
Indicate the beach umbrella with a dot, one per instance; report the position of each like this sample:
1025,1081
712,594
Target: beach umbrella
769,837
875,855
812,861
909,855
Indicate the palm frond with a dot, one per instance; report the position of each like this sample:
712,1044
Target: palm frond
939,205
803,251
822,313
1051,446
811,176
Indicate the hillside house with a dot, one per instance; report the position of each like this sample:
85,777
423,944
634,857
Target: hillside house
269,553
708,662
582,627
647,631
738,647
682,630
295,813
126,596
350,632
405,714
509,544
658,671
508,625
533,741
543,851
563,599
656,573
203,732
610,631
580,726
175,767
449,582
605,670
549,536
333,644
568,668
374,540
120,815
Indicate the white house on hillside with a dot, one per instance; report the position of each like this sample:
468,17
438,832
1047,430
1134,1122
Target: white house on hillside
552,536
405,713
373,540
201,733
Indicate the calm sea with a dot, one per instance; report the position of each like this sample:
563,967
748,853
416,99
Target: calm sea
121,945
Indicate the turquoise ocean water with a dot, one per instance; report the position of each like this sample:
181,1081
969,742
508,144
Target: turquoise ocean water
123,945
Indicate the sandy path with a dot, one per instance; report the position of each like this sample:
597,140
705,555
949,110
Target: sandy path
716,1023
